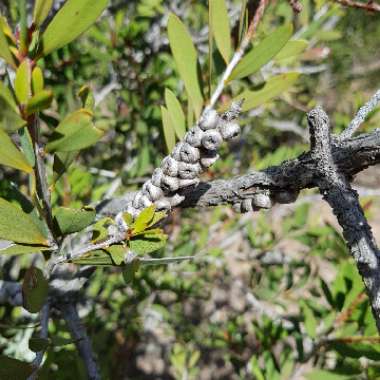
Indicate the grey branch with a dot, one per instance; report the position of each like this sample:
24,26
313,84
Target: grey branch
82,341
361,116
351,156
11,293
344,201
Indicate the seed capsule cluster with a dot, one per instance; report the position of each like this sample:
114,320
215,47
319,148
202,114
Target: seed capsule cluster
189,158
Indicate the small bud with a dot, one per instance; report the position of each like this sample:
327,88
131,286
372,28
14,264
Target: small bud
194,137
209,158
209,120
169,166
169,184
156,177
229,130
212,140
189,154
188,171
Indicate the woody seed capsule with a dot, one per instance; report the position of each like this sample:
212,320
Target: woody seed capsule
170,166
209,120
212,140
169,184
189,154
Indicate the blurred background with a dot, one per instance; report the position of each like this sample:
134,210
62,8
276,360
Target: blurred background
271,294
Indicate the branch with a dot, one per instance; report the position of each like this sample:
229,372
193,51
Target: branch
351,156
369,6
82,341
344,201
10,292
361,116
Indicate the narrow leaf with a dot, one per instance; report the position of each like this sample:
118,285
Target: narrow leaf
169,132
5,52
41,10
39,102
34,290
74,18
27,146
272,88
10,119
262,53
220,26
11,156
38,344
73,220
23,82
37,80
129,271
17,226
185,57
292,49
99,258
75,132
20,249
176,113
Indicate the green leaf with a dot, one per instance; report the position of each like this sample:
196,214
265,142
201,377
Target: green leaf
39,102
117,253
34,290
169,131
7,94
38,344
74,18
357,350
129,271
75,132
87,97
11,156
309,320
62,161
73,220
185,57
220,27
159,215
261,54
292,49
10,119
143,219
37,80
147,243
272,88
17,226
23,82
176,113
99,258
5,52
41,11
319,374
100,229
27,146
20,249
13,369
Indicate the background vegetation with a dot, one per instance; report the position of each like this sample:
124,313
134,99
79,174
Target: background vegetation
269,295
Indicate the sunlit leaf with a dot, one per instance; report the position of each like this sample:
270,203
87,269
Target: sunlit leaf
147,243
74,18
75,132
21,249
143,219
17,226
185,57
27,146
176,113
261,54
39,102
99,258
37,80
292,49
10,119
34,290
73,220
11,156
169,131
41,10
5,52
272,88
117,253
87,97
23,81
220,27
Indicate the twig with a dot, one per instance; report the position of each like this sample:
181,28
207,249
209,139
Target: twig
82,341
369,6
361,116
44,321
238,55
344,201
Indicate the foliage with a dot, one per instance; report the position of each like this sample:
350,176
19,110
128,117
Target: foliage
103,98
